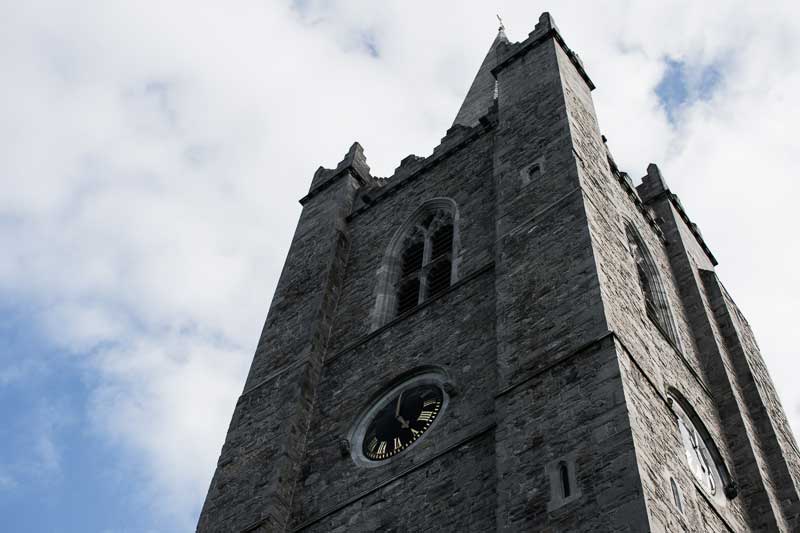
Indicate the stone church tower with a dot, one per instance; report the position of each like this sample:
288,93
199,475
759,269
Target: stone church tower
505,335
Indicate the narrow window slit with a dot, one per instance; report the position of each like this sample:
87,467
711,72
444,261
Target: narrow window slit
563,474
676,495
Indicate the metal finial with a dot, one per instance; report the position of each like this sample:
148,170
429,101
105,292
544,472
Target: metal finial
502,26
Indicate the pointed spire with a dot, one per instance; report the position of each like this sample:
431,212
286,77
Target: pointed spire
502,28
482,92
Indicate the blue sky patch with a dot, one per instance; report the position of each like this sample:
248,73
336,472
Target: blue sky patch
684,84
369,43
56,472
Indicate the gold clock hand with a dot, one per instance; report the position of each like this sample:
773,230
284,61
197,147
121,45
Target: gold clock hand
403,421
397,409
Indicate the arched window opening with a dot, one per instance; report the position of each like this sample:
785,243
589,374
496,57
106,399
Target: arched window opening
563,474
676,495
655,295
442,241
412,259
428,260
408,296
420,261
702,456
439,277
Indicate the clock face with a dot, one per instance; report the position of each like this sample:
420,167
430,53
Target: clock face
402,420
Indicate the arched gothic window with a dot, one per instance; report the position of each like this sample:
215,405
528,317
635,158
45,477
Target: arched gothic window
655,295
426,260
420,262
702,456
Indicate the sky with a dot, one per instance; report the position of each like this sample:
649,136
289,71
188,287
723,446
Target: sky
152,155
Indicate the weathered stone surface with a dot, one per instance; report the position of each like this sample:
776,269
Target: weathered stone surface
544,335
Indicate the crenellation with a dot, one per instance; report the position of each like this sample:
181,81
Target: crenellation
353,165
408,165
654,187
394,184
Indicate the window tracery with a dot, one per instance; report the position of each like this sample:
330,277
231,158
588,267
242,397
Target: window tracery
426,261
420,261
656,302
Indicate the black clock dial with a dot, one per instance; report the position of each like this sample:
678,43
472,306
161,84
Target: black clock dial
407,415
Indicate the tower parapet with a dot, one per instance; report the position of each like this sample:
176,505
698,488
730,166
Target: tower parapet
654,187
354,165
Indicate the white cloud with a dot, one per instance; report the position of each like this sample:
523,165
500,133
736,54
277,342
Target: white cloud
152,156
168,399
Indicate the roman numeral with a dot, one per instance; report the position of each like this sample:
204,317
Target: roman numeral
372,444
430,402
425,416
397,443
415,433
382,448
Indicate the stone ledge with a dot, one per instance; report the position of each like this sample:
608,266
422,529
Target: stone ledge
365,338
331,510
590,344
330,181
272,375
372,334
528,221
574,353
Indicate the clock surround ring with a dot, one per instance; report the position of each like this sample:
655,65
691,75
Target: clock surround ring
366,417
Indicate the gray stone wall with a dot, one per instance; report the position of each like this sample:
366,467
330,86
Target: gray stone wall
561,391
773,444
609,206
787,449
548,300
659,363
736,432
574,410
455,333
253,486
448,493
660,453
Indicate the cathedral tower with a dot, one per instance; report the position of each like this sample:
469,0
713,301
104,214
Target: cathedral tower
506,335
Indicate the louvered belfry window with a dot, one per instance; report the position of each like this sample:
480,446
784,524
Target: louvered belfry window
410,277
426,262
656,302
